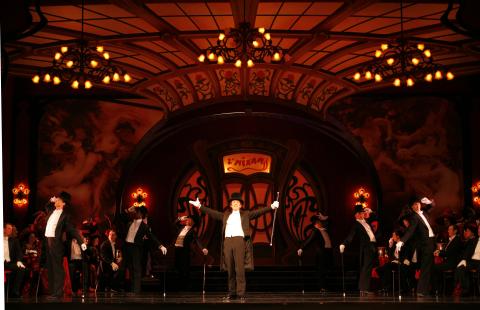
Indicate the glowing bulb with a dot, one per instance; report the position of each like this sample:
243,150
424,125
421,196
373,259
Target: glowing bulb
378,77
93,63
268,37
276,56
56,80
415,61
384,46
220,60
127,78
238,63
378,53
64,49
47,78
410,82
390,61
116,77
70,63
221,36
438,75
201,58
428,77
36,79
421,46
368,75
58,56
106,55
250,63
106,79
261,30
211,56
75,84
255,44
100,49
357,76
427,53
450,75
88,84
397,82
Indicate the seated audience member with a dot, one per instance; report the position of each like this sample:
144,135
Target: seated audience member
13,259
111,277
470,258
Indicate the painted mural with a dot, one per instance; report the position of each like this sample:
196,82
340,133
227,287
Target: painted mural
82,148
414,143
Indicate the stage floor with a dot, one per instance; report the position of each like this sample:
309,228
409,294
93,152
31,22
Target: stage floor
254,300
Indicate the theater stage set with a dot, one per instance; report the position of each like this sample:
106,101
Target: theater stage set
158,102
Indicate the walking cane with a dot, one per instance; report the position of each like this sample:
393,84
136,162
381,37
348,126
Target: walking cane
300,271
399,282
84,274
343,275
38,283
164,278
204,273
274,217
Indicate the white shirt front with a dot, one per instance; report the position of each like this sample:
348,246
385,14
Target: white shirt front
326,238
367,227
430,230
132,231
75,251
6,250
113,250
234,225
52,223
181,236
476,254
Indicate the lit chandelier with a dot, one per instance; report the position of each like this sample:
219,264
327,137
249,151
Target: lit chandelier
403,63
82,66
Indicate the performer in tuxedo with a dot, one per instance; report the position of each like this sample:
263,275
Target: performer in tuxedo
58,222
110,261
470,257
12,253
421,230
186,235
450,254
366,238
138,232
237,247
322,244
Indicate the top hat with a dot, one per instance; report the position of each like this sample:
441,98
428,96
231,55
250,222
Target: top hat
358,208
236,196
142,210
413,199
66,197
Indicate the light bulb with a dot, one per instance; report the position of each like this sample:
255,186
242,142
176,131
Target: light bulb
368,75
36,79
378,77
450,75
100,49
56,80
428,77
397,82
261,30
357,76
75,84
255,44
58,56
378,53
69,63
221,36
93,63
211,56
116,77
268,37
250,63
438,75
106,55
220,60
106,79
415,61
390,61
88,84
421,46
47,78
410,82
276,56
201,58
427,53
384,46
238,63
64,49
127,78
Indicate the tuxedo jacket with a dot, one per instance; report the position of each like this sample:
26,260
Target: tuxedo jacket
106,254
64,225
469,249
144,232
316,239
452,252
15,250
417,232
189,238
359,232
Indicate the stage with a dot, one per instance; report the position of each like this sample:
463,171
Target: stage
254,300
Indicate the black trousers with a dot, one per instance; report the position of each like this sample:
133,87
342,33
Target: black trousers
367,258
234,255
76,269
56,273
110,279
323,262
461,274
182,264
133,262
385,273
16,277
426,260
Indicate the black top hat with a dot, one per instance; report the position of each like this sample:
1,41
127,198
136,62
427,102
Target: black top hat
412,200
358,208
236,196
66,197
142,210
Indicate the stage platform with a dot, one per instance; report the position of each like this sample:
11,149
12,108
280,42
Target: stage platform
254,300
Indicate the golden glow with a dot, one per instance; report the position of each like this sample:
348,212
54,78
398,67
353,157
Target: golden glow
255,44
106,79
384,46
268,37
397,82
390,61
88,84
357,76
247,163
378,53
250,63
47,78
56,80
276,56
100,49
428,77
438,75
70,63
64,49
127,78
106,55
116,77
211,56
415,61
238,63
261,30
421,46
427,53
378,77
450,76
201,58
75,84
410,82
368,75
36,79
221,36
220,60
58,56
93,63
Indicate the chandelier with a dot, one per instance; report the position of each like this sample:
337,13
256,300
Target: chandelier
403,63
20,195
82,66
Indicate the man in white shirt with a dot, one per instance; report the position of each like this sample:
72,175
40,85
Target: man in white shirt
237,254
470,258
58,222
111,278
13,259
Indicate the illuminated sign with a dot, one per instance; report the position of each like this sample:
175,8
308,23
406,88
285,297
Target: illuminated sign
247,163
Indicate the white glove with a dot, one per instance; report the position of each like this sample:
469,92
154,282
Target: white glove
342,248
462,263
182,218
399,245
395,261
275,205
196,203
406,262
426,201
299,252
390,242
20,265
84,247
163,249
205,251
53,199
114,266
